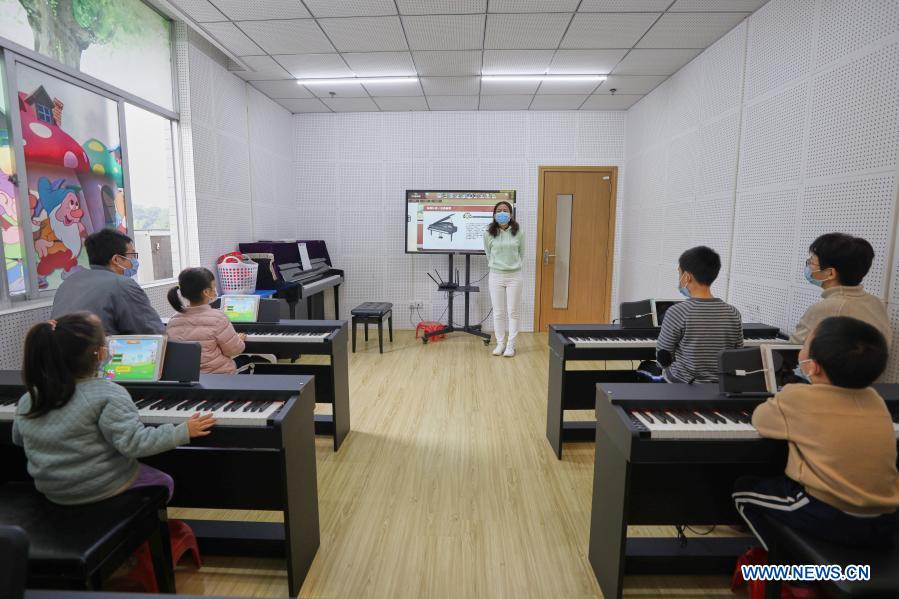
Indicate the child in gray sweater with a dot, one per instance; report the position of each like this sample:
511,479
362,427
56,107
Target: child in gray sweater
81,434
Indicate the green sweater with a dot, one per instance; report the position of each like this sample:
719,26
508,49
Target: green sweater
87,450
505,251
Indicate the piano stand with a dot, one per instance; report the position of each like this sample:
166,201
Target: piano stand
466,290
315,303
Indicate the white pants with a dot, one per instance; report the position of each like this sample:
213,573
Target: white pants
505,294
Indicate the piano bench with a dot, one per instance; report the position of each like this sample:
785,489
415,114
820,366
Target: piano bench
373,313
789,546
79,546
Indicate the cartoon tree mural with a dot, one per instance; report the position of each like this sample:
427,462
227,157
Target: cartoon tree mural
63,29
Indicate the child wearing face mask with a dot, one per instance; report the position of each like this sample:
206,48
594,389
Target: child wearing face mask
837,264
695,331
840,482
219,342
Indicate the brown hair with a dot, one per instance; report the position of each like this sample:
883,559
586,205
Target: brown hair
57,354
493,229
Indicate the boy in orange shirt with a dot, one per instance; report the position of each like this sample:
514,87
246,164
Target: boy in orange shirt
841,482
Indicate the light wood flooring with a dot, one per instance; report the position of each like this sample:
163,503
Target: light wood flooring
445,488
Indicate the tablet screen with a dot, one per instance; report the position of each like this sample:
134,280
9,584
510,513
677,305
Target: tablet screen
135,357
241,308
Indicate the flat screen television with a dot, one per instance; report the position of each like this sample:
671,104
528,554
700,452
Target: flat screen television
450,221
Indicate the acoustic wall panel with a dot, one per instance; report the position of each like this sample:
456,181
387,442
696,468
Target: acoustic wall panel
805,122
357,198
854,129
863,207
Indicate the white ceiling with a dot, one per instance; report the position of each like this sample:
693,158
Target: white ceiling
450,43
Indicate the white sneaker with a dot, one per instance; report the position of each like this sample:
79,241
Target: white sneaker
500,348
510,350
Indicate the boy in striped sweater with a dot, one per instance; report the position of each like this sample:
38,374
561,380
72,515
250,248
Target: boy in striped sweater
695,331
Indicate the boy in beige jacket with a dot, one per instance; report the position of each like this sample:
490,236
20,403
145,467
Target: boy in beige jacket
837,263
841,482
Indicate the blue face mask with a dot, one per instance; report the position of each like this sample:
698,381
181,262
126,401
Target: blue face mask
810,278
503,218
131,272
798,372
683,290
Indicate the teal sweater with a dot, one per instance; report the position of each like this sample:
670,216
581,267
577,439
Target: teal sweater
505,251
87,450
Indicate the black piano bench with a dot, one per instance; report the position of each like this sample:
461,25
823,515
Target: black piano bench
373,313
790,547
80,546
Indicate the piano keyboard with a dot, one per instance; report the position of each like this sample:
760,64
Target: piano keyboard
625,342
703,424
294,337
8,408
227,413
315,286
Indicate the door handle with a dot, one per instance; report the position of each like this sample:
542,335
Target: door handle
546,257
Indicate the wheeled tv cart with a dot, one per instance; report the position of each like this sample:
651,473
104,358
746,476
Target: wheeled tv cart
451,287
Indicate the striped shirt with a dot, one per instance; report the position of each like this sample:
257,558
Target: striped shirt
694,332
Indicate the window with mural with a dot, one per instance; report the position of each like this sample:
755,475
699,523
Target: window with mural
77,154
13,246
73,162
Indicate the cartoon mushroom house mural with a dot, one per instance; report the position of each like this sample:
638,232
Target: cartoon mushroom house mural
101,184
54,162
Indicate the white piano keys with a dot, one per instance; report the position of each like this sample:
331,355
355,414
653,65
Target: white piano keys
297,337
704,424
8,409
624,342
226,413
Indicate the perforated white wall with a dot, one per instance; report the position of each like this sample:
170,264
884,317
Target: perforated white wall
353,171
798,135
242,145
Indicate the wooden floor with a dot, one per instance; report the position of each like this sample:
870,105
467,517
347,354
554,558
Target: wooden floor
446,487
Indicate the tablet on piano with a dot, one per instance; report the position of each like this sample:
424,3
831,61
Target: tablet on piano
779,362
241,308
135,358
658,309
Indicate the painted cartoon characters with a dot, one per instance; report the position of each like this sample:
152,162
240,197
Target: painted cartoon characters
12,238
61,234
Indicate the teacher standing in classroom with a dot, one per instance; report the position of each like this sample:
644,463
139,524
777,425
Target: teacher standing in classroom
504,247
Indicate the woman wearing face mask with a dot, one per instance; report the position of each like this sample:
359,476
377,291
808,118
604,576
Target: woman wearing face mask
504,246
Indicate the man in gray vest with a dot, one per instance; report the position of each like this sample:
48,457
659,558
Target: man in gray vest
108,290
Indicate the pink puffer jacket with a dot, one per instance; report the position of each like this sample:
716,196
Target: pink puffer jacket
218,339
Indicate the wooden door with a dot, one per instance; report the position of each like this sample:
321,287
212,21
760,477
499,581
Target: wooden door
575,245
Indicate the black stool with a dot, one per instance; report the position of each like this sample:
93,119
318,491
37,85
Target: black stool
371,313
789,546
79,546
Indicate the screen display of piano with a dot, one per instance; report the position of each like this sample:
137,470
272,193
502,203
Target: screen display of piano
450,221
241,308
135,357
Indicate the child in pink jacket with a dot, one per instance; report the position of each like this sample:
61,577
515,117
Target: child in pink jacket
218,340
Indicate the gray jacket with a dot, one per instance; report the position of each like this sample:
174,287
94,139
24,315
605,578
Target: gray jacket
87,450
119,301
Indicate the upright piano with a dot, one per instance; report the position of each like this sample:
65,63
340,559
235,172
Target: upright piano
260,456
669,455
291,289
574,389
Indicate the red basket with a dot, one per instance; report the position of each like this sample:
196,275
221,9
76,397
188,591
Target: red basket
429,327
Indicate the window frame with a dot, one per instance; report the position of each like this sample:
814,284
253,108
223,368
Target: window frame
14,55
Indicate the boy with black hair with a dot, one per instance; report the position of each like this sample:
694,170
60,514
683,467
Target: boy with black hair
108,290
694,332
841,482
837,263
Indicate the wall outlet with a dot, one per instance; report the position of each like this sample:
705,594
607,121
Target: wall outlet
416,305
